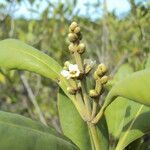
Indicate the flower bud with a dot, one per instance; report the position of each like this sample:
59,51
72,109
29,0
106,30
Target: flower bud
93,94
104,79
71,48
66,64
77,30
81,48
72,37
103,68
73,25
71,90
99,72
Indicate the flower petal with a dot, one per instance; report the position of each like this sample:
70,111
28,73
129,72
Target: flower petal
73,67
65,73
77,73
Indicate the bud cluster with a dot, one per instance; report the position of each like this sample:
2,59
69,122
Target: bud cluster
76,73
74,37
101,79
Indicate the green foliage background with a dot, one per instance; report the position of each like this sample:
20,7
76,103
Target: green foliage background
109,39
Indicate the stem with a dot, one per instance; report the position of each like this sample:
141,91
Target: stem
92,142
81,105
94,109
98,116
86,100
98,86
94,135
78,102
78,60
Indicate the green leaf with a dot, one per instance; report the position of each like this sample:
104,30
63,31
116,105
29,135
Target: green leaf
122,114
103,134
124,71
75,128
20,133
15,54
18,55
71,123
140,144
135,87
127,121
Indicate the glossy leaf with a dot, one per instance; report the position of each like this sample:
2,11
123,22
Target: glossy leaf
103,134
15,54
72,124
124,71
140,144
20,133
135,87
75,128
136,125
18,55
127,121
120,113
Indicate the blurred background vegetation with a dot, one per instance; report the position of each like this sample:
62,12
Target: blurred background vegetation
110,38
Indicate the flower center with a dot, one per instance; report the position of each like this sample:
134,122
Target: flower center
73,72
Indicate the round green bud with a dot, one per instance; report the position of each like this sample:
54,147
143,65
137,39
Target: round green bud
103,68
66,64
99,72
73,25
71,48
71,90
104,79
77,30
72,37
93,94
81,48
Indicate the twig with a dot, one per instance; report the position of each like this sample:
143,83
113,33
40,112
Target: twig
32,98
12,27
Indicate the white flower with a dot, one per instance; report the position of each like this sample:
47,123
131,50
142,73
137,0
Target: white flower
65,73
72,72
